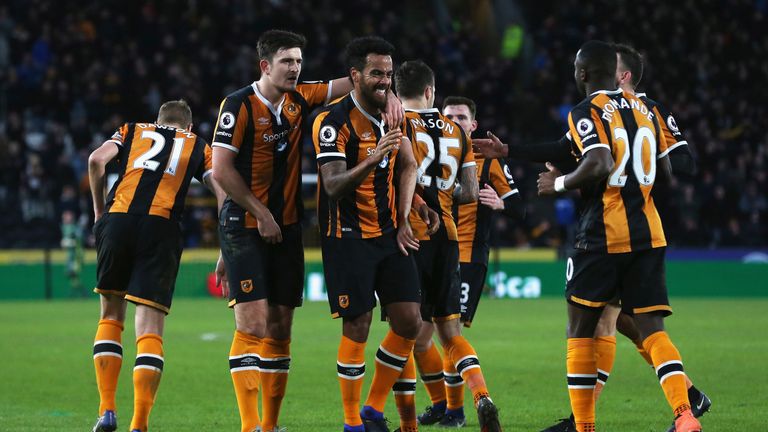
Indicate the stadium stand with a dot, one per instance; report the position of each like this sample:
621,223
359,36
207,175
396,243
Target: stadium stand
70,76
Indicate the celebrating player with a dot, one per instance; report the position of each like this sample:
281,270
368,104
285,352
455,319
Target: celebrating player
366,185
257,160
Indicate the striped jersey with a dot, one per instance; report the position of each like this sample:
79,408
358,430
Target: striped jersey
619,214
442,150
474,220
156,164
673,136
344,131
267,140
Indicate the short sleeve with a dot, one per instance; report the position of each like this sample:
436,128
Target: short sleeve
586,129
316,93
467,153
330,139
673,138
118,137
230,124
501,179
206,165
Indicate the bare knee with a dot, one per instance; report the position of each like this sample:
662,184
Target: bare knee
582,322
424,340
149,321
251,318
407,326
625,324
279,322
404,319
606,326
649,323
357,328
448,330
113,307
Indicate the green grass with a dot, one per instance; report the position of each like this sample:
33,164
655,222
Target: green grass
47,381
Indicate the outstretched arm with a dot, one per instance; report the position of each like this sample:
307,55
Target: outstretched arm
594,166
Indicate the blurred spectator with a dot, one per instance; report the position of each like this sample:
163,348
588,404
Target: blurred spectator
69,77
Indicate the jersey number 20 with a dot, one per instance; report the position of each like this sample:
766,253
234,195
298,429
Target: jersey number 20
643,137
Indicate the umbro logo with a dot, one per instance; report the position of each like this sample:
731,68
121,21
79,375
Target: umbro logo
262,120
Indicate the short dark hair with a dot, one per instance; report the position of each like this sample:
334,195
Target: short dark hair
412,77
272,41
175,112
633,60
461,100
357,50
599,59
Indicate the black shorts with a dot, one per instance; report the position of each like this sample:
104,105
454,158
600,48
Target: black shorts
438,264
138,258
258,270
356,270
472,284
636,278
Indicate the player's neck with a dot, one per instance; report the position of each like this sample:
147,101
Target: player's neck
599,85
627,88
415,104
367,107
270,92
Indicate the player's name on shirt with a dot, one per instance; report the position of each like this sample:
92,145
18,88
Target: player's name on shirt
612,105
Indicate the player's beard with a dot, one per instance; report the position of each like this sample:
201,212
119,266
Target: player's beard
288,86
372,99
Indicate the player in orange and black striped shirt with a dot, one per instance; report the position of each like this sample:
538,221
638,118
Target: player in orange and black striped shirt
257,160
444,155
138,241
365,188
621,244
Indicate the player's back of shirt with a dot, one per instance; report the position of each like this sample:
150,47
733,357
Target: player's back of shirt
619,214
267,140
442,150
344,131
474,220
672,134
156,164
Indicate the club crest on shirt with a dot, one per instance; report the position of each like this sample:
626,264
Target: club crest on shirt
344,301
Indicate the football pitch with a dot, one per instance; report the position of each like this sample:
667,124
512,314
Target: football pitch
48,383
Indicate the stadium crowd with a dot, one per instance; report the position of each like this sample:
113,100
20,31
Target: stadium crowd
70,77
